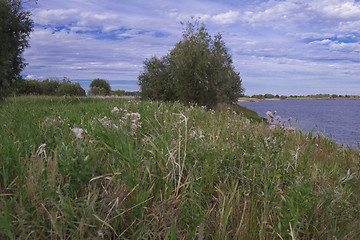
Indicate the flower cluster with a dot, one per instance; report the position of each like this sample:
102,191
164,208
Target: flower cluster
275,121
134,117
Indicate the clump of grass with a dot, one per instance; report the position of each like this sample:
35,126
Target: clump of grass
85,168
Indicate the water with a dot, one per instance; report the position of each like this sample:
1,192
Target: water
338,119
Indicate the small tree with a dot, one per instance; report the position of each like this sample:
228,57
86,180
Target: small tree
198,69
99,87
15,28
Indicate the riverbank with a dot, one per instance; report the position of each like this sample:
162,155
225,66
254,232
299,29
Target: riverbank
85,168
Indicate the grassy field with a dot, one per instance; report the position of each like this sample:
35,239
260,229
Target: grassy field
79,168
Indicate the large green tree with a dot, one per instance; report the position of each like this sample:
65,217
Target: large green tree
15,29
198,69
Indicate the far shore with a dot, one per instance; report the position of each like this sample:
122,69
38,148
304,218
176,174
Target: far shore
245,99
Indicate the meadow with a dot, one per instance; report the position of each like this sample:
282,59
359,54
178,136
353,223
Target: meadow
90,168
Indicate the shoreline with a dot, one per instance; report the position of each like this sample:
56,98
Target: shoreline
278,99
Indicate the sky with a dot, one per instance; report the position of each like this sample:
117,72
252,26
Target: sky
287,47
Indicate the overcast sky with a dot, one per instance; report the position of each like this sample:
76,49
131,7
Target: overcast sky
280,47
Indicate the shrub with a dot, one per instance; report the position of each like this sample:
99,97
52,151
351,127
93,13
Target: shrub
97,91
118,92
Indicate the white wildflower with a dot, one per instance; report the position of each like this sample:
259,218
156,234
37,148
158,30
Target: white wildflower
105,122
78,132
192,133
115,110
201,136
135,117
134,126
270,115
289,129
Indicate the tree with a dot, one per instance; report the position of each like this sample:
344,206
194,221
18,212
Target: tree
15,28
198,69
99,87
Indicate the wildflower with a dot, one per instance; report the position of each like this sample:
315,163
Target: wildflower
201,136
289,129
192,133
270,115
134,126
78,132
115,110
105,122
134,117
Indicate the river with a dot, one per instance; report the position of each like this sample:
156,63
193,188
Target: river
337,119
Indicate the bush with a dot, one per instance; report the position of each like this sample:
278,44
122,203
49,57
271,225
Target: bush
97,91
100,83
118,92
68,88
199,70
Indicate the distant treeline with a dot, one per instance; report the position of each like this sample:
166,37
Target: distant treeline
51,87
64,87
268,96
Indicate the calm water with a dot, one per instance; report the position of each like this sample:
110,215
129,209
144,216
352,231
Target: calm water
339,119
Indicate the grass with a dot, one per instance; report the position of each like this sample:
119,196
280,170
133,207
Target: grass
176,173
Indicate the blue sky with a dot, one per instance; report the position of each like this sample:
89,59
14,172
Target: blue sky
280,47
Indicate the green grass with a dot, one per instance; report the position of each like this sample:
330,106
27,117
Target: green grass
186,173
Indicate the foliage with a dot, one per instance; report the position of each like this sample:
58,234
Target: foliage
99,87
197,70
50,87
15,28
118,92
67,88
119,169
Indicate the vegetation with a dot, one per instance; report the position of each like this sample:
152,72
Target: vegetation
99,87
87,168
197,70
15,28
49,87
313,96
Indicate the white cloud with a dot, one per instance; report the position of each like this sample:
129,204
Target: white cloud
226,18
55,16
340,9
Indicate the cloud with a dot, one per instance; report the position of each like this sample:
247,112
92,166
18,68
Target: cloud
226,18
278,45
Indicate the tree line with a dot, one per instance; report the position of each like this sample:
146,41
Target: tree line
320,95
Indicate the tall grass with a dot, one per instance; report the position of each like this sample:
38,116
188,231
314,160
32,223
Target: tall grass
176,173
